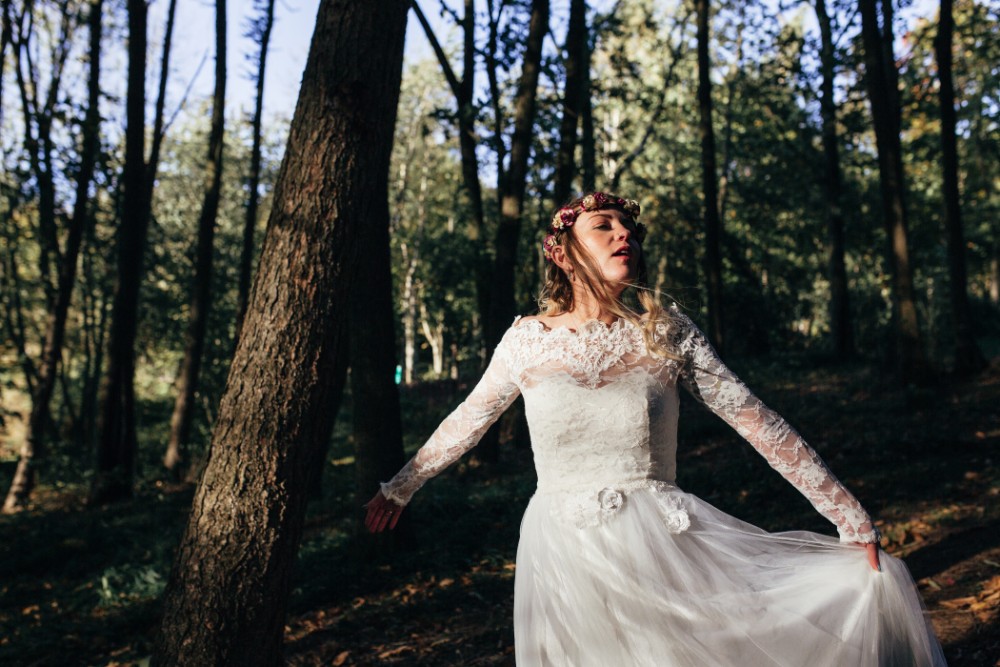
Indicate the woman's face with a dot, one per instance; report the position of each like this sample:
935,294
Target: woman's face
609,236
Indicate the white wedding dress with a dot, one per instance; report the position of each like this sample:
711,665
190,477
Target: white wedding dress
617,566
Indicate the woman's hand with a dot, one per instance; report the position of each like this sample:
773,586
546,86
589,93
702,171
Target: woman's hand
872,548
382,513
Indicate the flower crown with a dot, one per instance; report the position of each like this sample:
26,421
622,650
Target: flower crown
566,217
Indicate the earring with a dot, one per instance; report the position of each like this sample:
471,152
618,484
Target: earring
572,276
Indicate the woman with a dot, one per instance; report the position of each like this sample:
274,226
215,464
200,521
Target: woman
616,566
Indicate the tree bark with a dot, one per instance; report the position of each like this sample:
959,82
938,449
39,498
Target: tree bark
710,187
116,446
378,429
227,596
968,358
33,449
841,331
881,77
577,58
201,293
253,198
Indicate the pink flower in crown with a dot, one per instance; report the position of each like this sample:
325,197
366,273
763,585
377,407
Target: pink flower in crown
548,245
564,217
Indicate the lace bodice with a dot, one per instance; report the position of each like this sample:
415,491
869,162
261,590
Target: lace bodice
602,412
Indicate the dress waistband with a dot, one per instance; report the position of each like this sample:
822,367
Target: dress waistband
596,487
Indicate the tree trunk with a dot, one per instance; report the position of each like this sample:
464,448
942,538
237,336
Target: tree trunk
158,114
464,92
33,448
378,430
588,152
968,358
116,445
713,224
502,301
576,61
201,293
227,596
5,39
253,198
841,330
881,77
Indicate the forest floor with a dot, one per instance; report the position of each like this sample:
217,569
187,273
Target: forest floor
80,586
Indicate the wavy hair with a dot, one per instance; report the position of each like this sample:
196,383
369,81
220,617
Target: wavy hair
648,314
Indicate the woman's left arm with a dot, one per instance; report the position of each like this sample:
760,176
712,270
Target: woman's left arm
712,383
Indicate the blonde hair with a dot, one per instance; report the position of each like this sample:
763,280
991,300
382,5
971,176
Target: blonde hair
556,296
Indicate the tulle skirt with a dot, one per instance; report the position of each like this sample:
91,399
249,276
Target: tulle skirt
655,576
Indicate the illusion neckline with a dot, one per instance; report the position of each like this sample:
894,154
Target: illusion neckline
584,327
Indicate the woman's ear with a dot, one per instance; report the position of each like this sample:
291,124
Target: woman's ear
560,259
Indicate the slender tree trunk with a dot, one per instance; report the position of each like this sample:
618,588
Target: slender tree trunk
33,449
502,306
713,223
995,274
968,358
464,92
201,293
576,61
840,310
250,222
227,596
158,114
37,117
588,152
881,77
5,39
502,298
116,447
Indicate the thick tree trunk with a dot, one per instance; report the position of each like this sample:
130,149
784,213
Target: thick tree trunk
253,198
841,330
227,596
33,449
502,298
713,223
576,60
116,446
201,293
881,77
968,358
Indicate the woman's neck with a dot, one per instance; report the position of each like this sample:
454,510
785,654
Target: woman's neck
584,310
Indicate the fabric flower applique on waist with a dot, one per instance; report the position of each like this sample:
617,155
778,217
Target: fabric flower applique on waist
588,509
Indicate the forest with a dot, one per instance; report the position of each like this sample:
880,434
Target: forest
221,330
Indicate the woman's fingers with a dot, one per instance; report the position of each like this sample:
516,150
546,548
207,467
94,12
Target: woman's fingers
382,513
873,556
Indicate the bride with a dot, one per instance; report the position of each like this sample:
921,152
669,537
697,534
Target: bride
616,565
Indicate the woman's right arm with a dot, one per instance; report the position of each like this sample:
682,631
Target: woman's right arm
456,435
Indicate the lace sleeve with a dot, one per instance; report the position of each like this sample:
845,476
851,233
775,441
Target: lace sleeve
713,384
462,429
